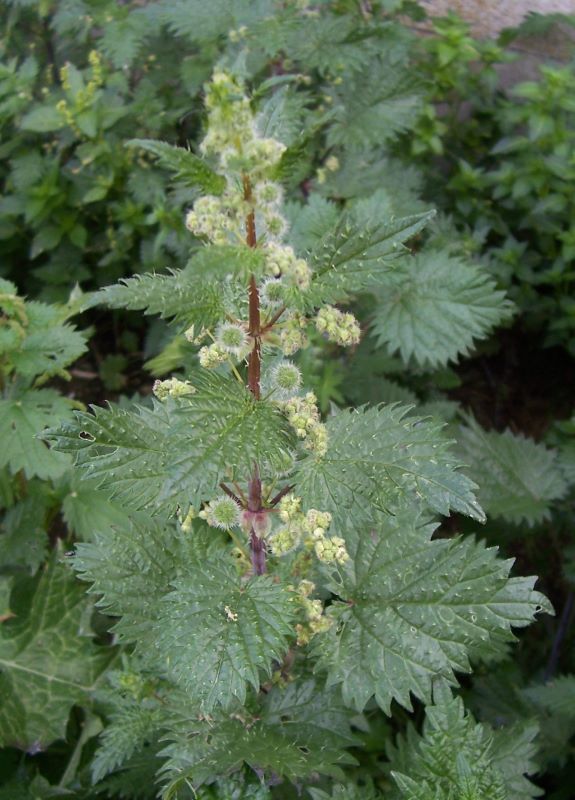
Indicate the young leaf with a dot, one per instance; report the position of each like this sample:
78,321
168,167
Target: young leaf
413,611
518,478
47,664
189,168
432,307
459,758
380,456
300,730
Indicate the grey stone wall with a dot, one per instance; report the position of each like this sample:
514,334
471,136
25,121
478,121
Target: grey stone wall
488,17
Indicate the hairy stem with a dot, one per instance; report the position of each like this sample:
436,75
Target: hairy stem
257,545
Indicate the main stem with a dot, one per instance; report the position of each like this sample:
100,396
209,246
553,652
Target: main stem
257,545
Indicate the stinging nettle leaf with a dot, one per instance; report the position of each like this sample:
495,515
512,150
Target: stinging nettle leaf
456,757
381,456
177,452
220,633
353,257
518,478
189,168
298,731
22,419
414,611
433,306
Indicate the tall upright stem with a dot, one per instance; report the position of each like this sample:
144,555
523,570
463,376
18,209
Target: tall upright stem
257,544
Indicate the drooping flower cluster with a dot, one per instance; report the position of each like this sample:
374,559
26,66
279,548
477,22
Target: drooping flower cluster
172,388
309,529
283,263
315,621
303,416
339,327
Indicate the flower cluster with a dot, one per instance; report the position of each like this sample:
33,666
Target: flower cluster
303,416
315,621
187,520
212,355
172,388
233,339
293,335
339,327
282,262
233,137
219,219
309,528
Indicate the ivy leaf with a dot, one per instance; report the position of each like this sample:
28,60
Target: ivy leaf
518,478
188,168
457,757
414,611
300,730
379,456
433,306
21,420
24,540
47,662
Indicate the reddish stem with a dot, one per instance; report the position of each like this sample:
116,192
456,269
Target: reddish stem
257,545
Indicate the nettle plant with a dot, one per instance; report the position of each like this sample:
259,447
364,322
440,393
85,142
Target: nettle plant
277,580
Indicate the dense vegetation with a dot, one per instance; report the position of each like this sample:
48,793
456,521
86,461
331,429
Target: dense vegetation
322,270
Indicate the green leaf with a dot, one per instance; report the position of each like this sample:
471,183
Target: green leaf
24,540
183,603
353,257
518,478
300,730
179,296
199,294
42,119
47,661
180,450
126,733
459,759
50,345
87,510
374,106
21,421
379,457
220,633
413,611
433,306
189,168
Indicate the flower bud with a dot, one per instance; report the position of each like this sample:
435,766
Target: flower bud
223,512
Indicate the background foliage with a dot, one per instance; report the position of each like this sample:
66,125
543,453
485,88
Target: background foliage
381,126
